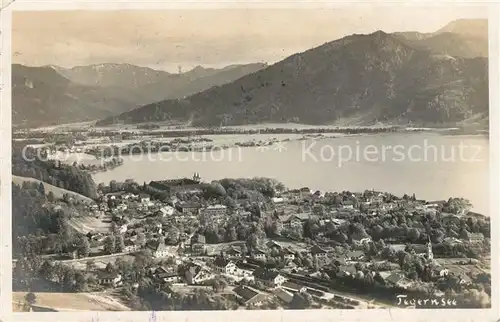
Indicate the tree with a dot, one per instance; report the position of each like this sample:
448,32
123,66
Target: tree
219,189
69,280
90,265
141,239
110,267
413,234
83,246
319,210
301,301
413,275
41,189
51,197
219,285
377,231
388,253
464,234
109,244
80,282
124,267
244,249
113,186
47,270
30,299
402,258
379,279
252,241
119,244
172,236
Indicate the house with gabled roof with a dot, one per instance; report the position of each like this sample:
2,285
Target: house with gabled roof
288,255
158,248
249,296
259,254
189,207
476,238
355,255
396,279
293,287
285,296
347,270
234,252
270,278
198,244
197,274
130,246
109,278
435,203
273,245
318,252
224,265
167,211
294,220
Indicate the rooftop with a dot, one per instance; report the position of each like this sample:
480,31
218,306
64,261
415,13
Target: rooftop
128,242
394,277
216,207
264,274
436,202
245,292
221,262
351,269
292,286
156,245
355,253
198,238
107,275
176,182
317,250
283,295
190,205
233,250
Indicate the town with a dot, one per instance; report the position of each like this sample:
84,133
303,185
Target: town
182,244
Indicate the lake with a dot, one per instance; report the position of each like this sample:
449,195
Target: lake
431,165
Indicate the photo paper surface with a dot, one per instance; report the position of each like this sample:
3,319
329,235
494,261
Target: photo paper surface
203,161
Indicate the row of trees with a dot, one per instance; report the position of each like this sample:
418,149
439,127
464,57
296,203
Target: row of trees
28,164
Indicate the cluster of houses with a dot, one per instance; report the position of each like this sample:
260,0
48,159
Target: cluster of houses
237,264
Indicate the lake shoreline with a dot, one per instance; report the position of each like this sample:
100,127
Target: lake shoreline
429,180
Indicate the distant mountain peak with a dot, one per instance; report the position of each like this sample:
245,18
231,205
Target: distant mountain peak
52,94
380,33
361,79
468,27
465,38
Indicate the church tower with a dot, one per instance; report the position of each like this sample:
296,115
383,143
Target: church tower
430,255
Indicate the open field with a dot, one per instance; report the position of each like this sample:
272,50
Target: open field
78,157
85,224
100,261
58,192
71,301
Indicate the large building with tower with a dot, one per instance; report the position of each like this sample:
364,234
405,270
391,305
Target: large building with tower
183,185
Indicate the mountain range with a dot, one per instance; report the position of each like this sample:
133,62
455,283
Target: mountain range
56,95
460,38
399,78
384,78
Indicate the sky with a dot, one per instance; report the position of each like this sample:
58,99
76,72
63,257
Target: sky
211,38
